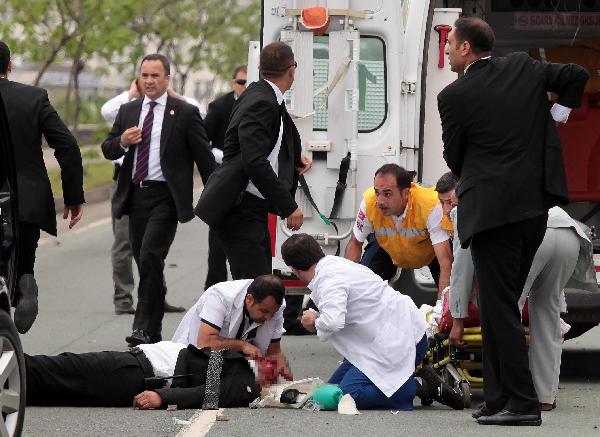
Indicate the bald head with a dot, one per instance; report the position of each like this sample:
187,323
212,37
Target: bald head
477,32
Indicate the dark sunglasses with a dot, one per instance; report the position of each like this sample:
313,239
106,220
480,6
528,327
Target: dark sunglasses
240,81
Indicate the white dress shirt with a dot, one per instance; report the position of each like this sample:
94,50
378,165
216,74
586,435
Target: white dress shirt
274,155
373,326
163,357
222,307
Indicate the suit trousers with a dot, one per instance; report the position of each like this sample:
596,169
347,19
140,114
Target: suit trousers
552,267
502,257
29,235
152,227
244,235
121,257
217,261
97,379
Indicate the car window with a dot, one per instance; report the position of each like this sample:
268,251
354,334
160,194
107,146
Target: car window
371,80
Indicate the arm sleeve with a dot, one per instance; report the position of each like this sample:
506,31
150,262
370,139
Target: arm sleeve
332,308
110,109
111,146
453,134
566,80
213,311
362,226
197,104
434,225
66,152
461,278
199,146
277,322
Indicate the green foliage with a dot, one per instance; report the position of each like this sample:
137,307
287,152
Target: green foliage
95,174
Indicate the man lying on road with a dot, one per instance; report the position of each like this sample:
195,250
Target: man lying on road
379,332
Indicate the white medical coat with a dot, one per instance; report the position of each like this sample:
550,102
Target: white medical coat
375,327
222,305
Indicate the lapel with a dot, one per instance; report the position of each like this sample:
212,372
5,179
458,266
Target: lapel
171,113
132,118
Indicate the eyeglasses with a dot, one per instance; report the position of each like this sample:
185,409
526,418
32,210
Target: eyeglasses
240,81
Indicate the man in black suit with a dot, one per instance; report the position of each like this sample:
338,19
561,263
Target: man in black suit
123,379
161,138
30,115
216,122
261,163
500,139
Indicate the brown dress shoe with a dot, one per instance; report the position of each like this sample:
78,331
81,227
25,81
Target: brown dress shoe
547,407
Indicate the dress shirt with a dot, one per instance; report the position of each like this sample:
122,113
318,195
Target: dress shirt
163,357
560,113
154,169
274,155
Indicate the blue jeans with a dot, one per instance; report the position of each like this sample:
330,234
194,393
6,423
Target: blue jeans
366,394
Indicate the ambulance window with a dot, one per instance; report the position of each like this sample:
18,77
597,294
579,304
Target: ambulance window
371,80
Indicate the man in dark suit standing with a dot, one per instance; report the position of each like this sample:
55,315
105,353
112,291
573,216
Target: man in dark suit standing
216,122
161,138
500,139
261,163
30,115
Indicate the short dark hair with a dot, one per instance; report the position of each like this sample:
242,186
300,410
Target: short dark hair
267,285
275,59
403,177
477,32
4,57
239,68
301,251
446,183
158,57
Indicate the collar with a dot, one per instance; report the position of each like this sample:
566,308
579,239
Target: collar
317,268
278,93
476,60
162,100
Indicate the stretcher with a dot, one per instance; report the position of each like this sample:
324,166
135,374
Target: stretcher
461,368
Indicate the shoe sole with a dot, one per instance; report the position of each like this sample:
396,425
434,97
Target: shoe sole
537,422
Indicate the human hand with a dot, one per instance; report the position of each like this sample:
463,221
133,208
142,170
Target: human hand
283,368
295,219
147,400
76,214
251,351
133,135
134,91
171,92
308,320
306,164
456,333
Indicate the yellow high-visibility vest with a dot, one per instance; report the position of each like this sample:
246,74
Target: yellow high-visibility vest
409,244
447,225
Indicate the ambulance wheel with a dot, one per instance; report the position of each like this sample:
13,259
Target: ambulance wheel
465,391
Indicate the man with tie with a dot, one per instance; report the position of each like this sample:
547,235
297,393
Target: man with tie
260,169
161,138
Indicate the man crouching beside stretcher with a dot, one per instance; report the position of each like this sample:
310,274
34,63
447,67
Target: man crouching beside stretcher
379,332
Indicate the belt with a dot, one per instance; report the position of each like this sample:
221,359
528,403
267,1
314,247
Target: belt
144,362
147,184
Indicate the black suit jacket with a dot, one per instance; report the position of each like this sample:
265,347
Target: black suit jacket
217,119
500,139
238,384
30,115
183,141
252,133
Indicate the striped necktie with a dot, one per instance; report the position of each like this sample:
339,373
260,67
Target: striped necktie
143,149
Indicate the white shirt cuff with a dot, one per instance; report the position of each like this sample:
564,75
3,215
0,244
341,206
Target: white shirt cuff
218,154
560,113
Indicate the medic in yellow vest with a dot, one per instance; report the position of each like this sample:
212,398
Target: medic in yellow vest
406,220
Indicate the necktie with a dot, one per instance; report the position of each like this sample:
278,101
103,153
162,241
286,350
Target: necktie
213,380
143,149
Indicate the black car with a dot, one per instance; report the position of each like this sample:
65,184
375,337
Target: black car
12,363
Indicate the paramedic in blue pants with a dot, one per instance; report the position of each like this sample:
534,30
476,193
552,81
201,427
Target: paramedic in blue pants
379,332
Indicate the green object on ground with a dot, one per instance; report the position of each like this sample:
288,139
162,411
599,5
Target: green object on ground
95,174
328,397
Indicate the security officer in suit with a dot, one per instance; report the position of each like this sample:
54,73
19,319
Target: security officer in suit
216,122
499,138
155,182
30,115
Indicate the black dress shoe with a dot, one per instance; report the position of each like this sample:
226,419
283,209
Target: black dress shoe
124,310
137,337
481,411
27,305
508,418
173,309
438,390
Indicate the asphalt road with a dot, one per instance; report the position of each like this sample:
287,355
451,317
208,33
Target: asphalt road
76,314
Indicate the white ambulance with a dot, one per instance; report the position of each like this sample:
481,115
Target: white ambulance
368,76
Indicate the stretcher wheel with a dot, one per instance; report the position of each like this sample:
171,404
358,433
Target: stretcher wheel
465,390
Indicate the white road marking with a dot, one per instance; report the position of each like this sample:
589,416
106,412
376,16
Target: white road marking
202,422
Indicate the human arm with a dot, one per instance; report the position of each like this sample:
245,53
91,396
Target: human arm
110,109
453,133
306,164
331,316
566,80
283,368
111,146
209,336
147,400
199,145
440,239
353,249
362,228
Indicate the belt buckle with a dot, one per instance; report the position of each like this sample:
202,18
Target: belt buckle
142,184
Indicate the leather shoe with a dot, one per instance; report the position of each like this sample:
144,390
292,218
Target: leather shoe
547,407
438,390
27,306
173,309
481,411
124,310
509,418
137,337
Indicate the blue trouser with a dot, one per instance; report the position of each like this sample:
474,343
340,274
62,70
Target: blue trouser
366,394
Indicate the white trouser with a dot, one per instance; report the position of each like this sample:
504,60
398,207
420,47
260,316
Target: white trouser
552,267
